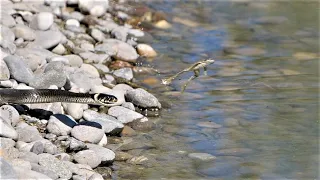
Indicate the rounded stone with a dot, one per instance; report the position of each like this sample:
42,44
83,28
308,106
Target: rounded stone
9,114
146,50
88,157
7,130
24,32
74,60
19,69
43,21
87,133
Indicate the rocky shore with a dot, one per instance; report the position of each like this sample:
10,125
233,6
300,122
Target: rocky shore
78,46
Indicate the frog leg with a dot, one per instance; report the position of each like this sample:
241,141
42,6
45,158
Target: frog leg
196,74
205,71
168,81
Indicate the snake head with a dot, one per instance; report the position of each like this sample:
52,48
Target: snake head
105,99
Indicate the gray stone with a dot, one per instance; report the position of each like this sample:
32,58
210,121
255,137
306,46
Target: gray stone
142,98
7,40
73,22
80,169
102,68
105,154
44,170
123,114
97,35
91,70
122,87
64,60
23,173
124,73
46,39
88,157
11,83
96,176
9,114
42,21
118,49
18,69
24,32
139,36
7,20
21,163
76,145
74,60
108,123
6,143
83,80
37,148
7,130
29,156
24,147
87,133
120,33
59,49
128,105
94,7
45,80
4,71
202,156
55,165
7,171
60,125
28,134
63,157
90,57
87,46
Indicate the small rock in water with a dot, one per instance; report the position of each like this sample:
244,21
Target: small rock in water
142,98
88,157
231,122
124,73
146,50
123,114
202,156
128,131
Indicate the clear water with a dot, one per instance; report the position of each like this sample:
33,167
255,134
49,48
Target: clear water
267,103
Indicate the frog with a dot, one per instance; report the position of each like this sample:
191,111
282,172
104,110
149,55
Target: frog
195,67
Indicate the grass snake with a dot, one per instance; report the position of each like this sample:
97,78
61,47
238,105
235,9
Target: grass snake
32,96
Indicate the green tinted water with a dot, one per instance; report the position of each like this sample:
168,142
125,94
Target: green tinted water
264,91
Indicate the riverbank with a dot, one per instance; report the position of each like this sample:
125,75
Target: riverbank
82,47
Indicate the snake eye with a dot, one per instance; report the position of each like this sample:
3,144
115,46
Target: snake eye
106,98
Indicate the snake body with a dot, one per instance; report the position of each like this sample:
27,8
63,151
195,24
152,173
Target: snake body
32,96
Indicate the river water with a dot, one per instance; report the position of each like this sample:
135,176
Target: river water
256,111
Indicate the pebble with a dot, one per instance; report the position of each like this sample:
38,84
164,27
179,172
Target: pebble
229,122
29,174
118,49
163,24
7,171
109,124
44,170
88,157
142,125
96,176
59,49
88,68
87,47
105,154
9,114
142,98
23,146
201,156
18,69
122,156
124,73
60,125
209,124
6,143
24,32
128,132
37,148
55,165
74,60
4,71
42,21
28,134
76,145
128,105
91,57
123,114
46,39
29,156
45,80
146,50
122,87
120,33
73,22
97,35
7,130
87,133
234,151
103,69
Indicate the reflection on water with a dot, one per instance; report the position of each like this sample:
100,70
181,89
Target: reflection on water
257,111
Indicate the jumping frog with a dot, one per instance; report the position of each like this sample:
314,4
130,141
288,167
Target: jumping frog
195,68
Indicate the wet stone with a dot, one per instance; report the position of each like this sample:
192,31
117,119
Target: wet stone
142,98
124,73
234,152
202,156
209,124
88,157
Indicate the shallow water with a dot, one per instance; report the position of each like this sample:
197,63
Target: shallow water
263,90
